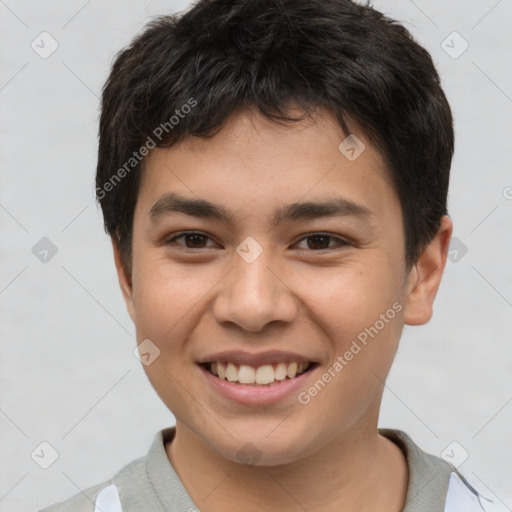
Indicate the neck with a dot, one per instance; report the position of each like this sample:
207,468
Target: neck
360,471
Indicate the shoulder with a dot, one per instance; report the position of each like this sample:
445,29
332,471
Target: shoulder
81,502
436,485
462,496
87,500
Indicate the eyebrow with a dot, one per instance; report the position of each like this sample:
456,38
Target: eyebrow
172,203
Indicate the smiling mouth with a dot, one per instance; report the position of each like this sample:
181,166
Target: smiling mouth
265,375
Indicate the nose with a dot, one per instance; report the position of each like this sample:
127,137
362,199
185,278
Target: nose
254,295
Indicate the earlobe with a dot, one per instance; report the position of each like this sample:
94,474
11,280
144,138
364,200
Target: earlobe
125,280
425,276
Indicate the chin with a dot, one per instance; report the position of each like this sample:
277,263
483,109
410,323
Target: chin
261,446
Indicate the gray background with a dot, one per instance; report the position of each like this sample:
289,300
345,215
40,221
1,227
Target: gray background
68,374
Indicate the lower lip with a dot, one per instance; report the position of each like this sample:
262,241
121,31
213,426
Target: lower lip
254,394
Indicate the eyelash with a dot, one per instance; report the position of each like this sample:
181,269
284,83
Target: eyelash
339,241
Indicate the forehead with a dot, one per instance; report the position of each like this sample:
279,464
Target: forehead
254,160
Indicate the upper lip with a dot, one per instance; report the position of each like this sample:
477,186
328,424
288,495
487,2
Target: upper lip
255,359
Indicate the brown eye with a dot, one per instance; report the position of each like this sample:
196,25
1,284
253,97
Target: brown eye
318,241
190,240
322,241
195,240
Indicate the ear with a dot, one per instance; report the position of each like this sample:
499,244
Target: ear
125,280
425,276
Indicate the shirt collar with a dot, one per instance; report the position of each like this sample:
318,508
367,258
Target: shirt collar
429,476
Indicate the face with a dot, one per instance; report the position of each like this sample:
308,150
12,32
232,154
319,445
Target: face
269,277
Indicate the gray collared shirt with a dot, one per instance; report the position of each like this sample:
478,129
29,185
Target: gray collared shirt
150,484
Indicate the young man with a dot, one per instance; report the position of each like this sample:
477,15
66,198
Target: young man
274,177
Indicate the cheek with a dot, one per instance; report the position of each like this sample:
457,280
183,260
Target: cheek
167,305
361,311
349,299
167,298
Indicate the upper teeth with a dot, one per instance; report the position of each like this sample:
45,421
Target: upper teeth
266,374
